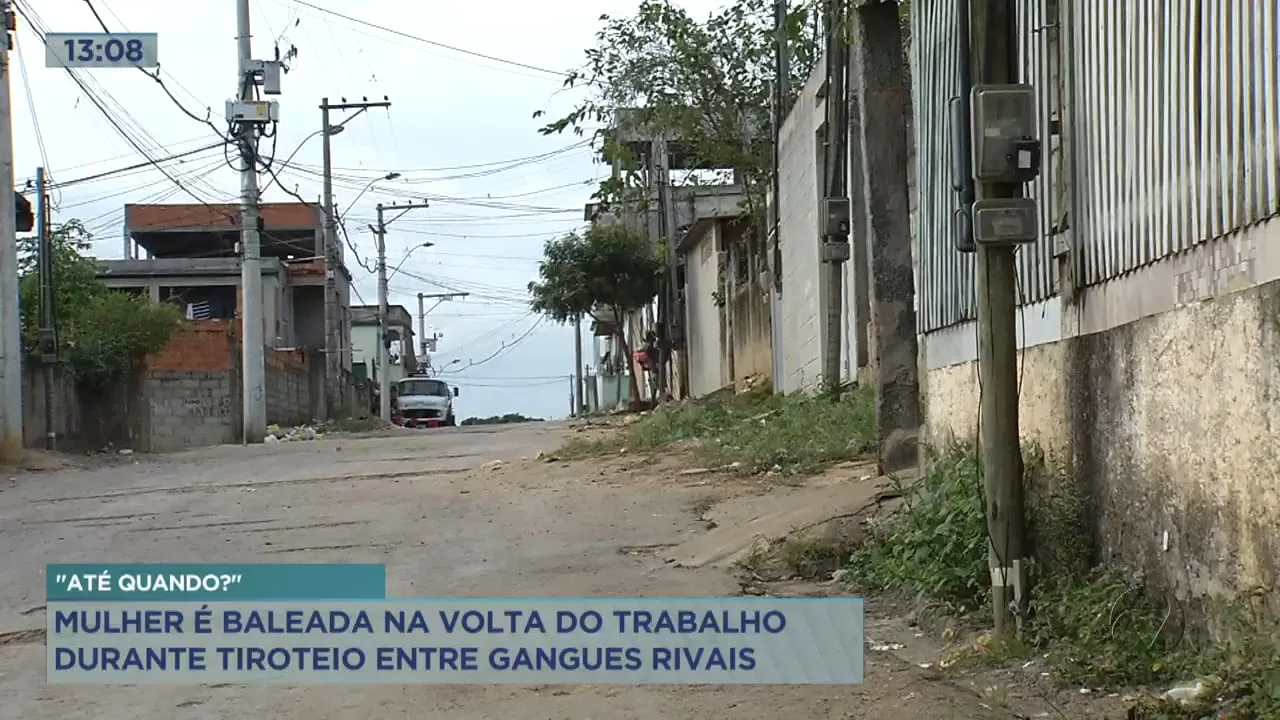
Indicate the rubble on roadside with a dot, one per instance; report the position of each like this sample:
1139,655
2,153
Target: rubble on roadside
300,433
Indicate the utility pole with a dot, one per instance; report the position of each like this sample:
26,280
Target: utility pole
835,210
10,322
48,328
422,325
423,310
251,336
581,382
384,360
333,340
670,308
996,63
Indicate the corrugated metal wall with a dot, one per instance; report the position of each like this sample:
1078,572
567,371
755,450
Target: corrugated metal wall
1175,125
1172,108
946,282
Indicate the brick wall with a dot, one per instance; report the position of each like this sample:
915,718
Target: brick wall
202,345
193,388
188,395
288,384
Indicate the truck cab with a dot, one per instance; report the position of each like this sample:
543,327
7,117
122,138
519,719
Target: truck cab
424,401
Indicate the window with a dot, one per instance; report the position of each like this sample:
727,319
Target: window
437,388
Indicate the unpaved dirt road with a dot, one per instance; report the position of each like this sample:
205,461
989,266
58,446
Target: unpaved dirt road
432,507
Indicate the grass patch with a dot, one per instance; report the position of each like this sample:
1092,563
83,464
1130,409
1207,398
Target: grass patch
578,448
813,559
357,424
1097,629
755,432
935,544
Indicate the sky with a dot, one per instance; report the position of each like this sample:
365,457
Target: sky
460,131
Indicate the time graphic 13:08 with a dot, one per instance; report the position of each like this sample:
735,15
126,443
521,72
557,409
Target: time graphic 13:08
113,50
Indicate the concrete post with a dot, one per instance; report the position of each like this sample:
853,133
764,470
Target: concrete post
884,103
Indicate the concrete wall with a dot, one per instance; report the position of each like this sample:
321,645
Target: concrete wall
290,387
802,287
308,317
703,317
84,422
364,348
749,310
188,395
1160,388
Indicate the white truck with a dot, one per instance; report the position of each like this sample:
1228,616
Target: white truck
424,401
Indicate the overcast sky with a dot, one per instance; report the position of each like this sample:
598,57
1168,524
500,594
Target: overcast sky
460,130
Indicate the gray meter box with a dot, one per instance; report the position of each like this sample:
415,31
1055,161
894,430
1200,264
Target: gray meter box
1005,221
1004,126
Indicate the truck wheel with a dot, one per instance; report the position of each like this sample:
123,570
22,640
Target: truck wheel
451,421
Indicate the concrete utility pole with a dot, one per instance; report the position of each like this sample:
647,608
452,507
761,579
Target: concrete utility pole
384,360
423,310
333,345
884,103
251,336
10,322
835,210
659,179
997,63
48,332
581,382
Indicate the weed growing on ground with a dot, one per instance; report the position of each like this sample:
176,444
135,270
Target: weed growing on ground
578,448
813,559
753,432
936,543
1096,628
351,424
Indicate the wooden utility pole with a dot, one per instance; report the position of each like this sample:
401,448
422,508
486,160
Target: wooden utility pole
995,61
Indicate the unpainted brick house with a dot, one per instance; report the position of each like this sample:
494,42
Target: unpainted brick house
187,254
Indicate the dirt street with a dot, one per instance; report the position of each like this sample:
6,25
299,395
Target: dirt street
434,508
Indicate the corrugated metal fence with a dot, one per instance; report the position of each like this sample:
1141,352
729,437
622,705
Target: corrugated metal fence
1175,125
1172,118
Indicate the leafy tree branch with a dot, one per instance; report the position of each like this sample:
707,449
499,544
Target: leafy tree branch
604,268
104,334
708,83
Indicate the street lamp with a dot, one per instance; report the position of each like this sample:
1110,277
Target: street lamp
406,257
388,176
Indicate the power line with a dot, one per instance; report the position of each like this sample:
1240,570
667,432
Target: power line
443,46
135,166
91,163
33,20
506,347
450,168
31,104
156,77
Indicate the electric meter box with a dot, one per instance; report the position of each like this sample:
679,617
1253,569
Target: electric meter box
1005,221
1005,146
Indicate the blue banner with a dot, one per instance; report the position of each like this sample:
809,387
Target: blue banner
214,582
480,641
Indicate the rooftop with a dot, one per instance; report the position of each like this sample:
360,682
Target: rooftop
289,230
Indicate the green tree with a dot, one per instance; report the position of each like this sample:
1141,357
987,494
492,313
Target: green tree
103,333
606,267
706,82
